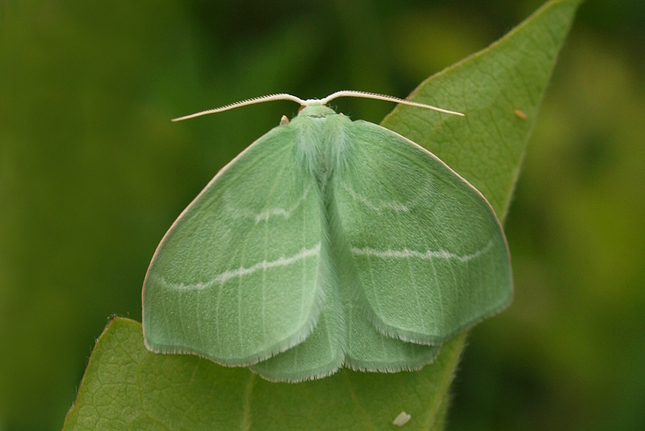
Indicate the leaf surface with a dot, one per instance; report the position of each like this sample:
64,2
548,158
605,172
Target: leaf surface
499,90
129,387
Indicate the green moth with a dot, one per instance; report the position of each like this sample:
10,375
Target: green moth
326,243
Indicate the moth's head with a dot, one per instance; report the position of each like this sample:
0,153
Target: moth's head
315,110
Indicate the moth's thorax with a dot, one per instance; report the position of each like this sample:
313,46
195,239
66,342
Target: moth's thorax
323,141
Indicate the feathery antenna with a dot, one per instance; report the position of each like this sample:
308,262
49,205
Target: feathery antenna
324,101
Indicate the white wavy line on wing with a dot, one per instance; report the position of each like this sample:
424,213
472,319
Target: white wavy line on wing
429,254
242,271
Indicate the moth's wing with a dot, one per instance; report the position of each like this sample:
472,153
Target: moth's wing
344,333
353,341
320,355
429,251
323,352
366,348
236,278
370,350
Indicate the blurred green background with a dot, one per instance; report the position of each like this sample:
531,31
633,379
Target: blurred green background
92,173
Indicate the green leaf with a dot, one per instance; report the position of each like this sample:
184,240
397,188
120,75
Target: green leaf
127,387
495,88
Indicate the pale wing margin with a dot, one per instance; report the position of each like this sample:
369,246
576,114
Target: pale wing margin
430,253
236,278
